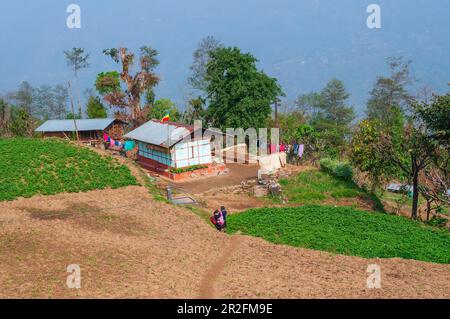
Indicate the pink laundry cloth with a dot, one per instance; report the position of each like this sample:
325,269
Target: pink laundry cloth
105,137
111,142
273,148
282,148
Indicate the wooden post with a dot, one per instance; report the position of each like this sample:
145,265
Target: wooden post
73,112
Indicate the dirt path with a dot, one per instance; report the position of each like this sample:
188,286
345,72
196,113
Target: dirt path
237,174
206,290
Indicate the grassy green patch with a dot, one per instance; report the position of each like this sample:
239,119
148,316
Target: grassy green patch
345,230
34,166
186,169
313,187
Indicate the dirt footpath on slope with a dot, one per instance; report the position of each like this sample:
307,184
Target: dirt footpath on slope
128,245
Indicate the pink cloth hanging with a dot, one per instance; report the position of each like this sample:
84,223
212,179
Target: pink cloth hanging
111,142
282,148
273,148
105,137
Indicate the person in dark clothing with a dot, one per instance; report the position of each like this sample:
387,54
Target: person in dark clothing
224,215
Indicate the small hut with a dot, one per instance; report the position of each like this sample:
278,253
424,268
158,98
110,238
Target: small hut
170,145
88,129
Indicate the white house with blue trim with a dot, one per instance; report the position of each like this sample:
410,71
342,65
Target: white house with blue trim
170,145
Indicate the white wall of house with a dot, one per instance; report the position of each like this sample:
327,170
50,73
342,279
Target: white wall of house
196,152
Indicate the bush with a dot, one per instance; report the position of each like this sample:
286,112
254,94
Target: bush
186,169
341,170
437,221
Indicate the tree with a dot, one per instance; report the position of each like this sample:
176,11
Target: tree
332,117
434,115
289,124
162,107
128,101
239,94
201,58
77,59
95,108
333,103
71,116
59,107
150,97
23,97
411,155
43,101
195,111
391,91
308,103
22,123
5,118
366,153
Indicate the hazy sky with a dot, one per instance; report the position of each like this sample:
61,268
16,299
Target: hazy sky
303,43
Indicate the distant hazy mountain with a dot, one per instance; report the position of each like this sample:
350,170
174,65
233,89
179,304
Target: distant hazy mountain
303,43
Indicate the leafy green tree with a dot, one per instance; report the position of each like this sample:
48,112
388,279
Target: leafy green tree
288,124
308,103
239,94
128,99
22,124
332,116
390,91
436,117
435,182
150,97
71,116
195,111
366,153
108,82
163,106
333,104
95,108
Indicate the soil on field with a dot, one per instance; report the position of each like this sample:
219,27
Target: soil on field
129,245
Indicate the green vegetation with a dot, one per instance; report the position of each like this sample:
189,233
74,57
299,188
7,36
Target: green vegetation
341,170
33,166
186,169
95,108
313,187
345,230
162,107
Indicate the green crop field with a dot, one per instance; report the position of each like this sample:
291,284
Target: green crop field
35,166
314,187
345,230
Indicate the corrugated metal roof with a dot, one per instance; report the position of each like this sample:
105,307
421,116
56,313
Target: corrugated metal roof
154,132
68,125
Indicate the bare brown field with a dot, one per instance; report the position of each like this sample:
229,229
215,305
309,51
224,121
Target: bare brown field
130,246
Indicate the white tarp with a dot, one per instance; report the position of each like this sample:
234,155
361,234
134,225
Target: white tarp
269,164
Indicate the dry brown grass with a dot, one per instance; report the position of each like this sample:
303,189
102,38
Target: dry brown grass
129,245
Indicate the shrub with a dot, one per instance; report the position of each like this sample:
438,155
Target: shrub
186,169
341,170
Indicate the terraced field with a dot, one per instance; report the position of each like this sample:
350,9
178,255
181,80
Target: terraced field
35,166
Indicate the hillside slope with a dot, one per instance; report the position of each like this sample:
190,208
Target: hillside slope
128,245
